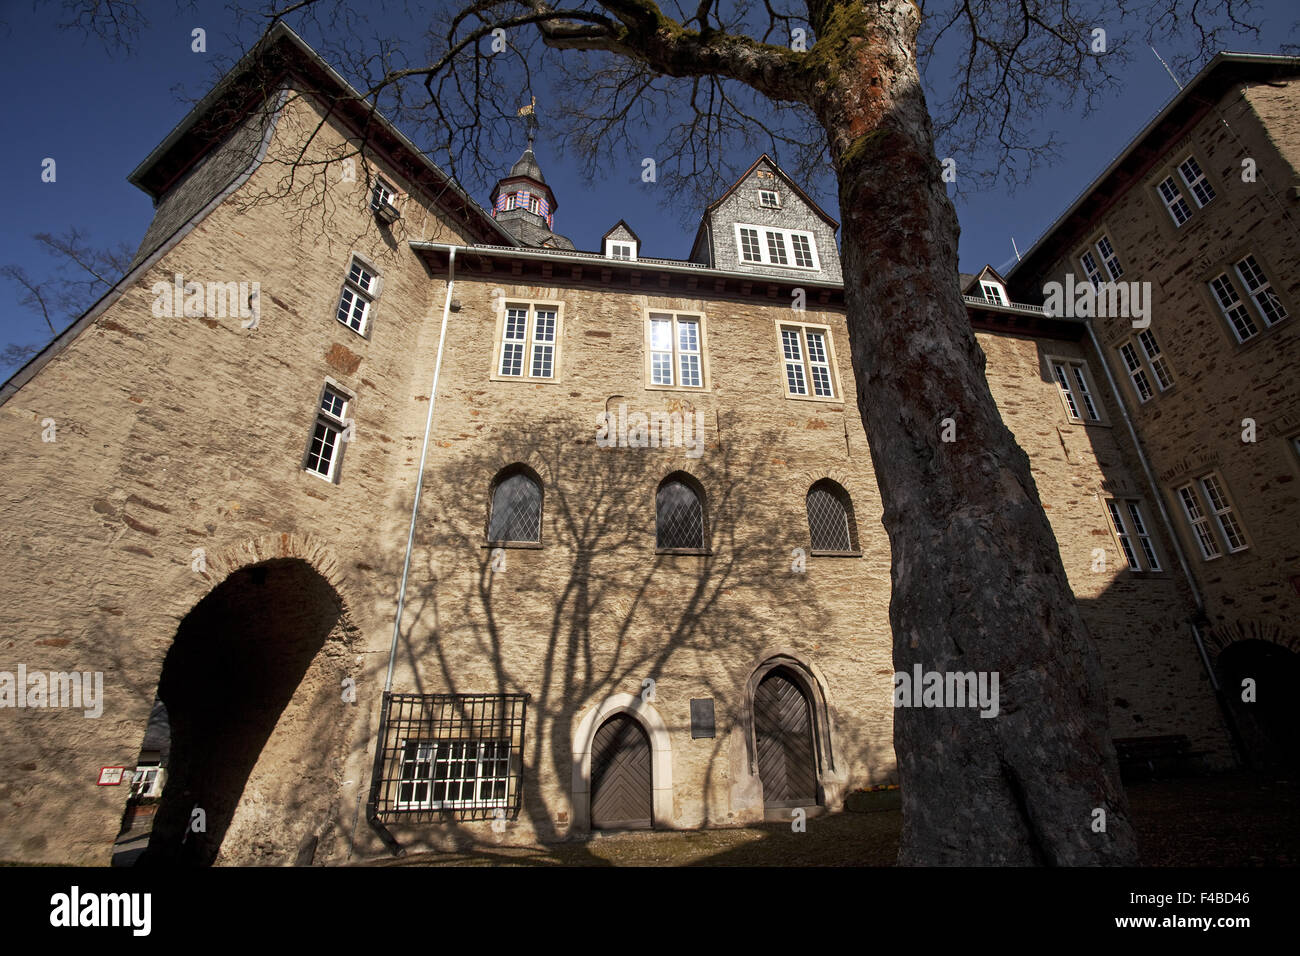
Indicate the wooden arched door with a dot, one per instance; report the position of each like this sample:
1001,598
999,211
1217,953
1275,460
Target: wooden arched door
621,784
783,734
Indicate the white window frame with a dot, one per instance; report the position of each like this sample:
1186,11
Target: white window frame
1079,392
536,313
1226,290
356,289
382,194
993,291
1147,368
434,761
1199,179
763,195
614,246
1090,267
333,422
1253,292
1174,202
803,360
678,355
786,242
1133,535
152,772
1114,268
1206,497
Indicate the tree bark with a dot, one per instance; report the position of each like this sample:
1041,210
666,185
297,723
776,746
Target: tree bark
978,583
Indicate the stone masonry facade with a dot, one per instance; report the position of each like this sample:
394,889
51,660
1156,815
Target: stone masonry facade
169,511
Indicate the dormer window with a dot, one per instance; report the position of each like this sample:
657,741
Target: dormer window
769,199
787,248
993,292
620,250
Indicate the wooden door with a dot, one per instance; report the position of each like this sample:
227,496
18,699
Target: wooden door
620,775
783,732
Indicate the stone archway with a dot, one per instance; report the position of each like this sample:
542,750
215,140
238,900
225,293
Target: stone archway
661,757
791,666
259,727
1268,674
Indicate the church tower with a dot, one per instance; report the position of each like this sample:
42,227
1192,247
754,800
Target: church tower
522,202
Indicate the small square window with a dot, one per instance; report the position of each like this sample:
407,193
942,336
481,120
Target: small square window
769,199
382,195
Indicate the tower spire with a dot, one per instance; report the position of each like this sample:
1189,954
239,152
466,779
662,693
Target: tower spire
530,123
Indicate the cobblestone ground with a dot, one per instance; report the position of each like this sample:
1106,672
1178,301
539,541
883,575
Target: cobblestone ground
1230,820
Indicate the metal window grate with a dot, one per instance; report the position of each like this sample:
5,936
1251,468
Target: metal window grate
516,510
448,755
828,520
679,517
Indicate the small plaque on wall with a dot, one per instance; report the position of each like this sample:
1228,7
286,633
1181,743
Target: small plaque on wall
701,717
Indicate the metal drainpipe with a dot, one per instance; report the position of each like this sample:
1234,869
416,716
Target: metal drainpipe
419,481
1160,504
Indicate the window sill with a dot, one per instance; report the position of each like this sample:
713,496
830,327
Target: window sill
825,400
513,545
699,551
835,554
700,389
497,377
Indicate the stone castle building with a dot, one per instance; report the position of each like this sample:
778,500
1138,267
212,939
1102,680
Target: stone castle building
427,527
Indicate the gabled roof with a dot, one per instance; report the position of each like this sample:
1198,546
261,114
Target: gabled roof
1144,151
785,178
279,56
968,281
614,228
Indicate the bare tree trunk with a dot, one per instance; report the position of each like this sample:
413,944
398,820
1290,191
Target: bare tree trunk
978,583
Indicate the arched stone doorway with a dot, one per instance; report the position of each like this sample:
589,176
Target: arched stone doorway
787,731
1268,724
655,731
783,738
622,787
259,724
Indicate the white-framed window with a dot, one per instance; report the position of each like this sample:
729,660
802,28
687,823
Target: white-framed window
530,337
675,347
1073,380
330,432
1109,258
1268,305
620,249
993,292
382,195
1146,365
355,301
788,248
807,361
1130,528
1098,256
1206,497
1196,181
1090,267
769,199
147,780
454,774
1174,202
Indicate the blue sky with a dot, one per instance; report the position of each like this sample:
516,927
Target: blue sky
98,113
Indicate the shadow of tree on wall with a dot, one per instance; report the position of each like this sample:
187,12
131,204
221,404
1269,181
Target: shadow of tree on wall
598,609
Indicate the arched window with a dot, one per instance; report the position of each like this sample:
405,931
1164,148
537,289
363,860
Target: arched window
516,507
830,518
679,514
